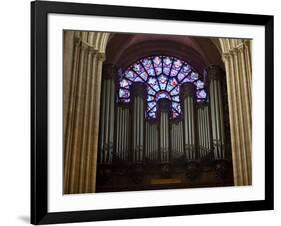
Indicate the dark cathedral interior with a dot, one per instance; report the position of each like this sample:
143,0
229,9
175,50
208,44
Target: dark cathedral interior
164,118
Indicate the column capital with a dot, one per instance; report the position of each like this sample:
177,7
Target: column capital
101,56
214,72
109,71
234,51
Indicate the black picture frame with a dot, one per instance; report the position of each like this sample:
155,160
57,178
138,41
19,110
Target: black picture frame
39,112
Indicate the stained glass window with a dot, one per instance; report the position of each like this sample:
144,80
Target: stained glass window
163,76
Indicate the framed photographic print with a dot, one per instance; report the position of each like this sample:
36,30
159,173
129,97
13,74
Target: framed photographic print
145,112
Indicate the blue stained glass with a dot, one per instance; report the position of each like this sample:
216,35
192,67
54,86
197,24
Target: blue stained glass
177,64
194,75
124,93
167,61
150,91
157,64
138,79
171,84
152,82
130,75
146,63
176,106
138,68
187,79
161,95
162,79
175,91
169,87
176,98
152,114
201,93
150,98
181,76
199,84
124,83
174,72
148,66
151,105
185,69
151,72
144,76
161,84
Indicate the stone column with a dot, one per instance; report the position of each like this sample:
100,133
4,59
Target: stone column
188,98
238,73
82,118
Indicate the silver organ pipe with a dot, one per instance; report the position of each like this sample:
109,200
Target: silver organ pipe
164,137
111,128
151,138
188,93
122,141
138,129
199,130
177,140
106,138
215,76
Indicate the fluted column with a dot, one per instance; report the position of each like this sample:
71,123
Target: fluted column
107,114
239,79
188,98
82,116
138,123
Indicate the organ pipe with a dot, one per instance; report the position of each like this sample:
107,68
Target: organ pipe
138,121
188,95
107,115
122,141
164,136
216,105
151,140
204,141
177,140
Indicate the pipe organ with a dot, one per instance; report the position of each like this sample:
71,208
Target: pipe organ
126,134
214,75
